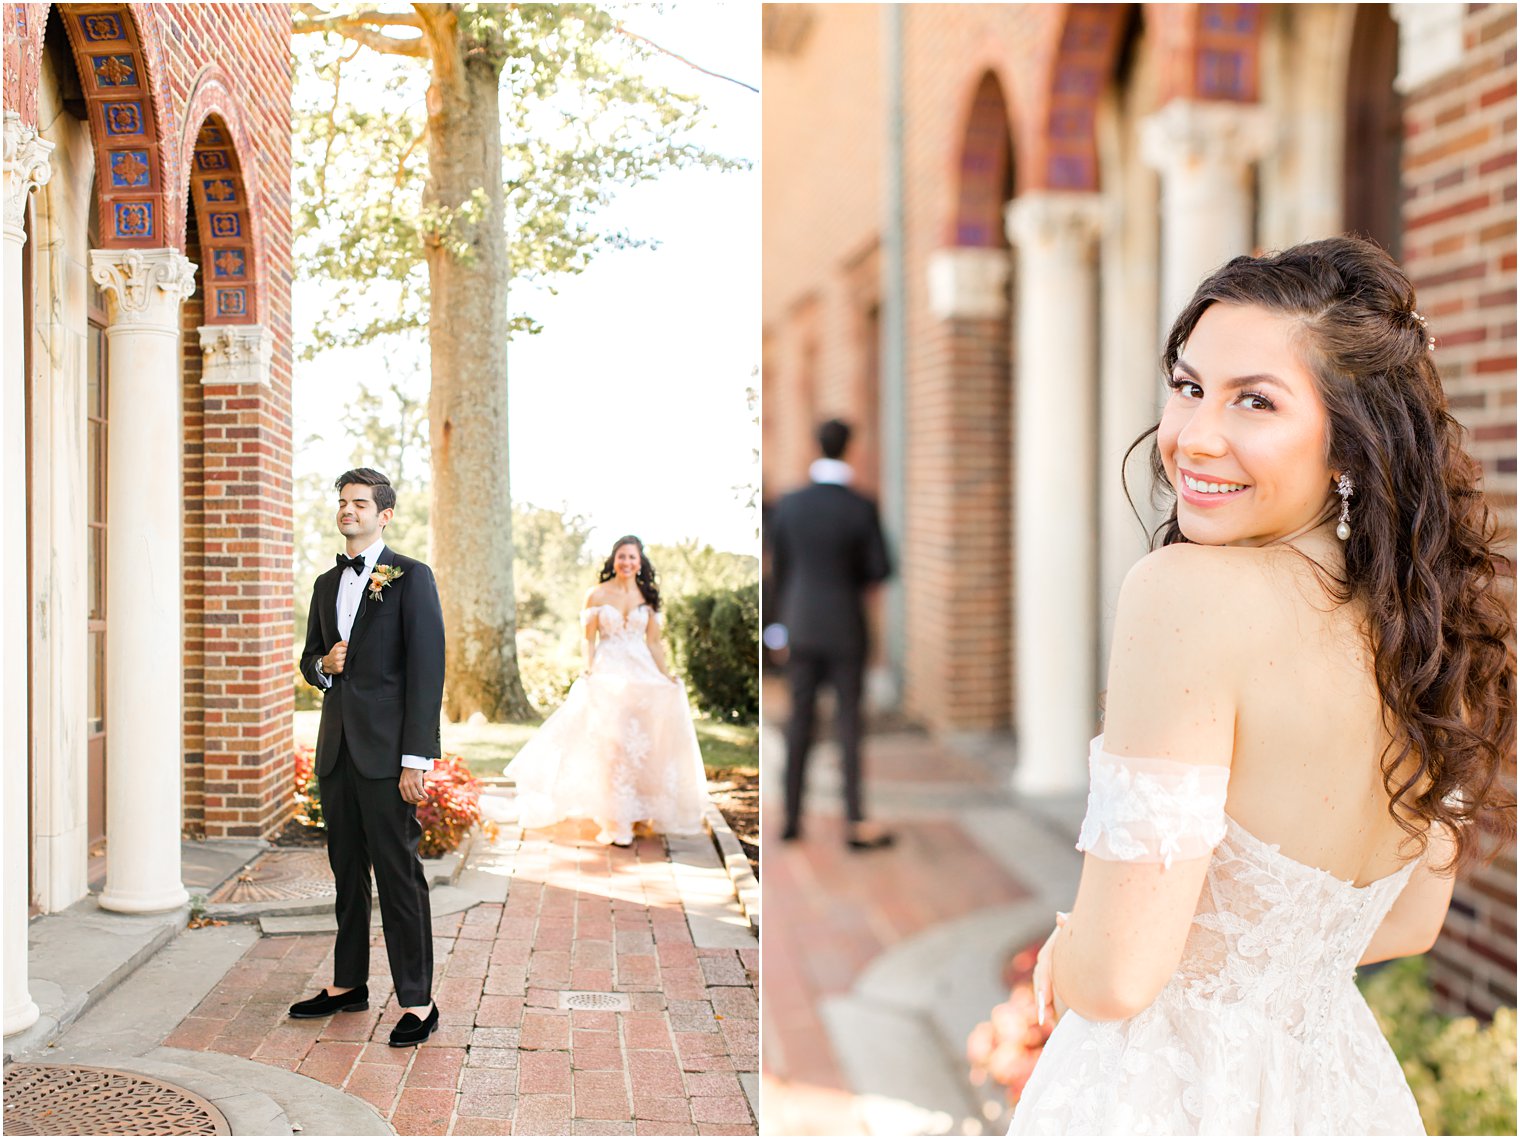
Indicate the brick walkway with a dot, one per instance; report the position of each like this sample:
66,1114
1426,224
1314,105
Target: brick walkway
830,912
506,1059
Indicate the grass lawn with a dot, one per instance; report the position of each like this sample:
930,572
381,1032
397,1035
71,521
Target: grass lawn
488,747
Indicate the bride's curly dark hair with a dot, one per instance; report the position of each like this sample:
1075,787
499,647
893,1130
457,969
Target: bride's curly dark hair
1422,553
645,577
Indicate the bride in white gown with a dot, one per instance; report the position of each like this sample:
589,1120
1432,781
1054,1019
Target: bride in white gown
1309,717
621,749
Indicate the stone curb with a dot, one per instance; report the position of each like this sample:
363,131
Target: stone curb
61,1007
736,864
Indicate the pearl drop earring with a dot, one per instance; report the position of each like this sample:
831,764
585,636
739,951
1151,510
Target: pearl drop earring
1344,488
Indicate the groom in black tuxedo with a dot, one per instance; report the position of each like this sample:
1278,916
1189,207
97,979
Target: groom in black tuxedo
827,550
374,644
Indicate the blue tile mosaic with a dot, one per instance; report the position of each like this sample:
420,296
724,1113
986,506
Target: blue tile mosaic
123,118
133,219
114,70
130,169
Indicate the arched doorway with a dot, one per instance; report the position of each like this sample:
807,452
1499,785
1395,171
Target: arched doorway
1374,130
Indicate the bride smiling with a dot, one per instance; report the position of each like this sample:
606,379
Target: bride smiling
621,749
1310,722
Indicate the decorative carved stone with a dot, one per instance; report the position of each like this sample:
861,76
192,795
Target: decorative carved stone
1191,133
235,354
969,283
27,166
143,286
1430,42
1055,218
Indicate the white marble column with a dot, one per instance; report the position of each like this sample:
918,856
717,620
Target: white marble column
144,668
1204,152
26,167
1055,487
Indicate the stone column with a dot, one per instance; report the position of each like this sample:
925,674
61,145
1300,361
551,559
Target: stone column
144,688
1204,153
26,168
1055,488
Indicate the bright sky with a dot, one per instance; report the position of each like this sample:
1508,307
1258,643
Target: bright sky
630,406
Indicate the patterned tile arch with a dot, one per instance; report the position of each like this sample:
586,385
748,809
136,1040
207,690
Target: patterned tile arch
223,211
985,169
114,56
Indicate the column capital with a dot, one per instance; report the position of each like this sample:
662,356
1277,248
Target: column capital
1194,132
1050,217
27,166
235,354
969,282
143,287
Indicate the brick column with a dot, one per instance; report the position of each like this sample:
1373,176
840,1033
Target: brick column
245,566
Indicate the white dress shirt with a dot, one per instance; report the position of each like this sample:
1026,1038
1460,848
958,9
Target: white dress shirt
835,471
351,588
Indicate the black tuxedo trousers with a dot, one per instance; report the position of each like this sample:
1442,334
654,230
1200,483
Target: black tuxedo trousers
808,672
368,822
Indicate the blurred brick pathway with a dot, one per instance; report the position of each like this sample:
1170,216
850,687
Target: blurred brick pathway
831,911
505,1058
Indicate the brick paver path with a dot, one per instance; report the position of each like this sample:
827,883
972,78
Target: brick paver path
830,912
506,1059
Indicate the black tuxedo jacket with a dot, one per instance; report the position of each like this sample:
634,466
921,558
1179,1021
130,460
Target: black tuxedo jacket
387,700
826,547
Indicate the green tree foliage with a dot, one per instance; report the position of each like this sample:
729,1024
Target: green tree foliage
502,118
715,637
578,121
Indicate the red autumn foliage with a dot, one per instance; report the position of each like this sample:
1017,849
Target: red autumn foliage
451,808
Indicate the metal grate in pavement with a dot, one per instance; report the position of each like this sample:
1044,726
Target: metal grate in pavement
280,876
595,1002
70,1099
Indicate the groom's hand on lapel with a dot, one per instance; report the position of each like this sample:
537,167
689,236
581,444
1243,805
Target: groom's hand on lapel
332,663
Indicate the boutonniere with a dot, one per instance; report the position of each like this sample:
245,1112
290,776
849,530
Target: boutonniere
380,577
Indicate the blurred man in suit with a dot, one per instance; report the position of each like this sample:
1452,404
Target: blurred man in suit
827,551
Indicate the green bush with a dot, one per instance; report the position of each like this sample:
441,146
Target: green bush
1462,1075
714,638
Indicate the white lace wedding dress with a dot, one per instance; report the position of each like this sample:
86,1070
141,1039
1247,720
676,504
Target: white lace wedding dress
1261,1030
621,749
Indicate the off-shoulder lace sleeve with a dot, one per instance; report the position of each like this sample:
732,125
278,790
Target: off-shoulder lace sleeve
588,616
1151,810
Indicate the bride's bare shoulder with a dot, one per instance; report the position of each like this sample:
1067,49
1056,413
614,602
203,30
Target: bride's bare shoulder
1199,596
594,596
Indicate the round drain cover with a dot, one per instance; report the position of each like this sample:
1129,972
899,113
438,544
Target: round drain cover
60,1099
594,1001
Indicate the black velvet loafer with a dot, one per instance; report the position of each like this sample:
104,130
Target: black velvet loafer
411,1029
355,1000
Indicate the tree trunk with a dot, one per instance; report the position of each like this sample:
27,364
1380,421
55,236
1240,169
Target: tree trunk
472,547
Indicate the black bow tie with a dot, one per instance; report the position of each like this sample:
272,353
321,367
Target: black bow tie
356,564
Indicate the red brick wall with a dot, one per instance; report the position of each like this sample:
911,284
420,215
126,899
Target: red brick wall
957,560
1459,249
192,316
238,449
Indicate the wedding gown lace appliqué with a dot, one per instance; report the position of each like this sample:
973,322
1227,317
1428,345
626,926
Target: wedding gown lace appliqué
621,749
1261,1031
